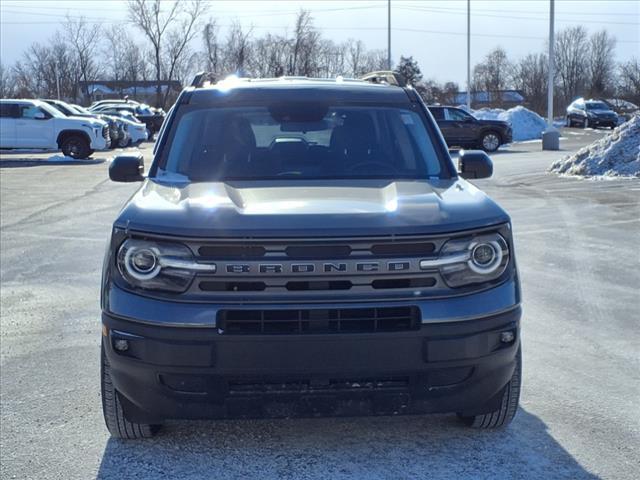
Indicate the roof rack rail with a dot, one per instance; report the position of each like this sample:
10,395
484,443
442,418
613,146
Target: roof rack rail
203,77
385,76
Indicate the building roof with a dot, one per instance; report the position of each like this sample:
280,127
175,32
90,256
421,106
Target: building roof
514,96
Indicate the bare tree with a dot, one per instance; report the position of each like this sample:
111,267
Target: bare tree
629,81
355,60
493,74
601,64
211,46
178,40
237,49
270,56
530,76
7,82
83,38
571,51
304,45
149,17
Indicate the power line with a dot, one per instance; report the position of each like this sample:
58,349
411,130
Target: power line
511,17
534,12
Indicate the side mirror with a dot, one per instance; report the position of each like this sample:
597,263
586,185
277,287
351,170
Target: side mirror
127,168
474,164
40,116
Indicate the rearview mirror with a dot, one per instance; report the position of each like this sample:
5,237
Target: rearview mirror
127,168
40,116
474,164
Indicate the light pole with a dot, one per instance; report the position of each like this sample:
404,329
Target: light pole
468,54
389,34
57,78
551,136
551,67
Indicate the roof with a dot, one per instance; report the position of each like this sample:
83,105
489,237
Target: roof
484,97
297,89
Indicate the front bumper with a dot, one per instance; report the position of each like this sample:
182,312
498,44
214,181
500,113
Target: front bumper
99,143
603,122
171,372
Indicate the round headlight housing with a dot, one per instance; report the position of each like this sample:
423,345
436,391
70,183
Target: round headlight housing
155,265
486,257
141,263
474,260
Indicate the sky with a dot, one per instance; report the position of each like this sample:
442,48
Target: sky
432,31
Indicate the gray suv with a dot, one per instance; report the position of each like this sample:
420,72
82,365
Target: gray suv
304,247
591,113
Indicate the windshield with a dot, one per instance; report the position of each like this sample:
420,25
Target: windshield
54,112
307,141
597,106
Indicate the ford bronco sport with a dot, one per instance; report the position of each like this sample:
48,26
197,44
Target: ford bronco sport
307,247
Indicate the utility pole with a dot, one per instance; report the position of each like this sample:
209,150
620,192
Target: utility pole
389,34
57,78
469,54
551,136
551,67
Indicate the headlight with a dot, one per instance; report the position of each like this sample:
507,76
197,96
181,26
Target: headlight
158,265
466,261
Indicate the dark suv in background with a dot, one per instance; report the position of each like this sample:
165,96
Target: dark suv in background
591,113
303,247
461,129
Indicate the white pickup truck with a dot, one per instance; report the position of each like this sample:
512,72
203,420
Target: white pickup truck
34,124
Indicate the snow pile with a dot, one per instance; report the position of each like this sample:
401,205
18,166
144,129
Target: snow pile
616,155
526,125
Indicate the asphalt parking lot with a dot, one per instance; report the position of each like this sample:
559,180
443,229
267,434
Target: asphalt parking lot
577,244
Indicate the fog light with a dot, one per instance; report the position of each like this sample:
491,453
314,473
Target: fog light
507,337
121,345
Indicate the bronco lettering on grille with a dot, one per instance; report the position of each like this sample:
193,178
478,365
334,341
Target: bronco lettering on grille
318,267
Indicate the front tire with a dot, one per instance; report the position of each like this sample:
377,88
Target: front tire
114,418
508,406
490,141
76,147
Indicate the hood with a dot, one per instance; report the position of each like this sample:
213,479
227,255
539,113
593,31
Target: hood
312,208
88,120
494,122
603,112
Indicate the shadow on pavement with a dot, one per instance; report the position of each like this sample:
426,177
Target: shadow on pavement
411,447
21,163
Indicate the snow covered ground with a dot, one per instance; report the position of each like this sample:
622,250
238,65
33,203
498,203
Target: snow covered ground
616,155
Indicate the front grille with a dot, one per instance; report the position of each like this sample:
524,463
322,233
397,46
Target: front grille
105,132
314,321
305,385
281,270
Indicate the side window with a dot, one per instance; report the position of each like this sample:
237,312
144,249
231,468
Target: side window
438,113
456,115
30,111
8,110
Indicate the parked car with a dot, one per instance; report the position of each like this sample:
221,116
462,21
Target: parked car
121,136
116,128
304,246
36,124
591,113
461,129
137,130
152,118
114,101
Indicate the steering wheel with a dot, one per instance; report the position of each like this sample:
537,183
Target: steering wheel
372,163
